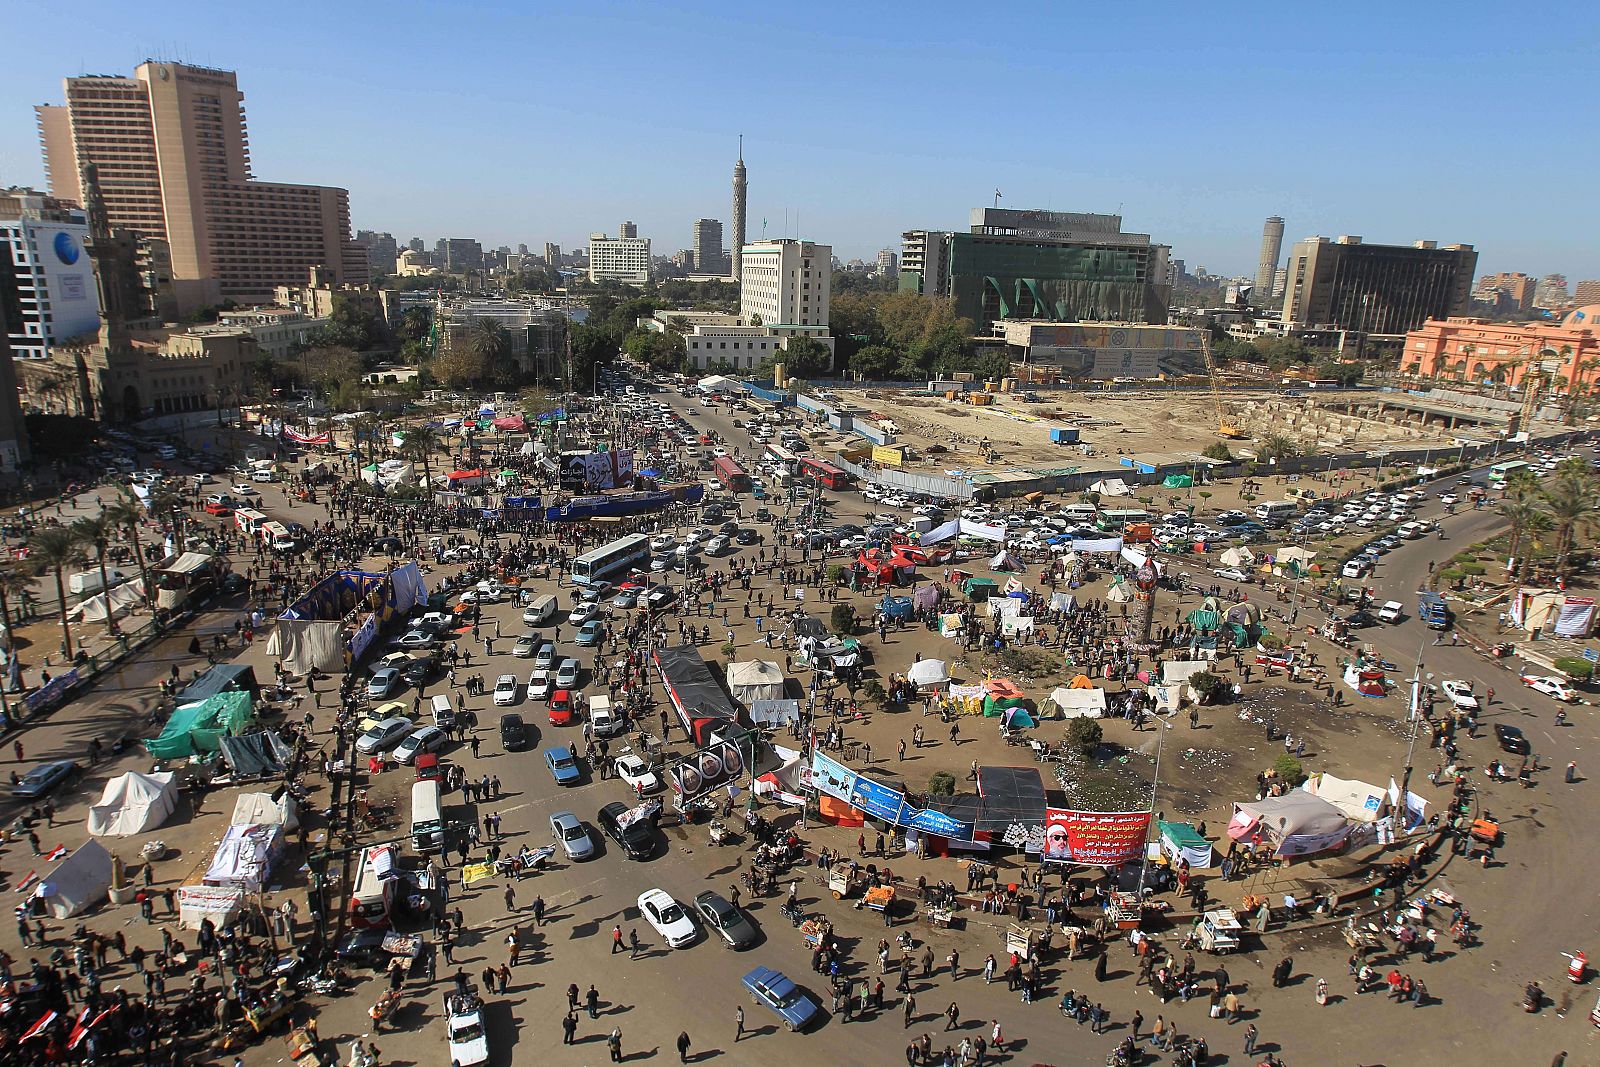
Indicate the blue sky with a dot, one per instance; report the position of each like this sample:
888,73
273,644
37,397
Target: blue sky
533,121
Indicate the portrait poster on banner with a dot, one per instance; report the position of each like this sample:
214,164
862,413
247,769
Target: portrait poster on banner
1097,838
832,778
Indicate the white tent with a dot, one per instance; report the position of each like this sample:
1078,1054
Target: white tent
1181,670
1004,561
259,809
123,600
245,857
713,383
197,903
305,643
133,803
1359,801
1111,487
755,680
1119,593
929,672
1079,703
1239,556
77,882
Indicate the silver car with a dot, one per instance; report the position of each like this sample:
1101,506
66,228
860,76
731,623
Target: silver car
570,834
384,735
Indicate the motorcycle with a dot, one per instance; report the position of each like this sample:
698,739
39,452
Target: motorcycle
793,912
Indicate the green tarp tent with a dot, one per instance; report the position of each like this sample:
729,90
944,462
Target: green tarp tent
1178,481
1203,620
979,588
195,728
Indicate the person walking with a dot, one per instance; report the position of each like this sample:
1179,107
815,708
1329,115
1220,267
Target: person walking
616,939
511,899
996,1038
569,1026
1250,1040
1136,1022
952,1016
591,1001
683,1046
738,1022
633,943
614,1043
910,1005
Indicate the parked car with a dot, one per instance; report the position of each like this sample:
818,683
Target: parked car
526,646
427,739
384,735
637,773
636,836
513,733
562,712
540,683
725,920
385,682
774,990
571,835
505,690
45,778
668,918
567,674
589,633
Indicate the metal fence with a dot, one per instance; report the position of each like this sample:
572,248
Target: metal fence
922,484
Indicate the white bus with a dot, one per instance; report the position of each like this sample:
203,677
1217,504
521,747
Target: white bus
249,521
427,821
778,456
613,558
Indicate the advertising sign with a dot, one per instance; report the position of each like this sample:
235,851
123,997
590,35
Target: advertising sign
1097,838
68,278
889,457
937,822
879,801
831,777
706,769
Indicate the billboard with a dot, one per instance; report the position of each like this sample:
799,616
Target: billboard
879,801
706,769
67,274
597,470
1095,838
832,777
887,455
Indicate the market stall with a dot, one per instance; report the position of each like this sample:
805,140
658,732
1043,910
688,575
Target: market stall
1180,841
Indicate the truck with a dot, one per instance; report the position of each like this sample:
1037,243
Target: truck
1432,610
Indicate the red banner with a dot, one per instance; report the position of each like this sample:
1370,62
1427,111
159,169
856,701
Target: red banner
1096,838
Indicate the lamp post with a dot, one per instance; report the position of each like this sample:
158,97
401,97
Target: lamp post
1162,725
1414,714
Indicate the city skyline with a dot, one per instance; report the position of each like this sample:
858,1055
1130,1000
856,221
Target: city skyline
423,146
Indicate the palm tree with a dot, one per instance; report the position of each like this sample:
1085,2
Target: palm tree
95,534
1539,524
55,549
1570,495
489,338
166,507
1519,510
366,425
14,581
421,443
126,515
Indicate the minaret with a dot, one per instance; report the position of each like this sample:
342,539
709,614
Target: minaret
738,212
102,253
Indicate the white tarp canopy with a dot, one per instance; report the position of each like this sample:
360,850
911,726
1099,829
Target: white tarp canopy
1358,800
133,803
1238,556
982,531
757,679
1004,561
1181,670
929,672
305,643
1079,703
1297,824
244,858
123,600
77,882
1111,487
197,903
259,809
713,383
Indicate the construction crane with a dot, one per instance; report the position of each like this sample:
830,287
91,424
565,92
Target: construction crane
1224,427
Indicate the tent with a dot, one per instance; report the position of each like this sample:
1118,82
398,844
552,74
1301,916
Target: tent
1294,561
1120,592
1177,481
265,809
1177,671
1078,703
1004,561
1000,694
124,598
1296,824
1368,682
774,714
250,755
1180,841
1359,801
929,672
1111,487
133,803
197,903
1239,556
244,858
77,882
755,680
196,728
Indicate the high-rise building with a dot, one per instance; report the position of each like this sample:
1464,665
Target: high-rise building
923,266
175,166
786,283
552,254
1376,289
50,272
1587,292
381,249
457,254
1053,265
708,255
416,244
14,446
740,195
619,259
628,231
888,263
1551,292
1514,287
1271,248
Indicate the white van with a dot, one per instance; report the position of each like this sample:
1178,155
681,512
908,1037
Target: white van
427,823
1078,512
541,610
444,713
85,582
1276,509
1411,530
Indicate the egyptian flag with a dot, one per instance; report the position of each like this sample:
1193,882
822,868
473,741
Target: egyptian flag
39,1027
27,882
80,1029
56,853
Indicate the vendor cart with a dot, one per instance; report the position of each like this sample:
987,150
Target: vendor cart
813,931
305,1049
1486,832
1362,940
939,916
1021,941
1219,931
720,834
262,1016
843,882
880,897
1123,911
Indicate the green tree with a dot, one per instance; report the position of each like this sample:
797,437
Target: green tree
590,346
420,445
414,325
54,549
1217,450
663,351
806,357
842,620
1084,735
942,784
873,362
459,365
1570,494
95,534
127,515
1276,445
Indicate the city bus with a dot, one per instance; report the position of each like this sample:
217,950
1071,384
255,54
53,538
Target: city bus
731,475
614,558
1501,471
823,472
780,457
1116,518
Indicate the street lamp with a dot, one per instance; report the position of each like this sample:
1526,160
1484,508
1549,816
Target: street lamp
1162,725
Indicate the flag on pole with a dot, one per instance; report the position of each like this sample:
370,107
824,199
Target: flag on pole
38,1028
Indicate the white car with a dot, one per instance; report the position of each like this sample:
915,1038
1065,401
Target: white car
567,674
1233,574
505,690
1448,498
1554,688
633,770
540,683
582,613
244,489
464,1030
668,918
1460,694
663,542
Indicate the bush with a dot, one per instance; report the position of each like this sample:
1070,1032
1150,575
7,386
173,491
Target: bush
1084,734
836,573
1208,685
1217,450
727,651
1474,569
875,692
1270,642
942,784
1575,668
1288,768
842,620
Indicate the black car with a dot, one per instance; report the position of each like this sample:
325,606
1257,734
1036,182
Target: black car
513,733
1157,878
364,948
421,670
746,537
1361,619
1512,739
725,920
637,838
